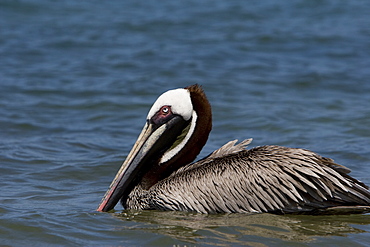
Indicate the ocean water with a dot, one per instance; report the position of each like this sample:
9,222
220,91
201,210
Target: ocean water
77,79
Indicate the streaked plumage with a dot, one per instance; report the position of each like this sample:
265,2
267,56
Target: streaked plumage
232,179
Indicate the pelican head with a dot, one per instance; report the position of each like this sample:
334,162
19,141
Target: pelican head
166,142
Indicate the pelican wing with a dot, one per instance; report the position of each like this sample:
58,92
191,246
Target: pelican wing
229,148
262,179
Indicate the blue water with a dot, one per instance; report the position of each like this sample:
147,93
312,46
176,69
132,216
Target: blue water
77,79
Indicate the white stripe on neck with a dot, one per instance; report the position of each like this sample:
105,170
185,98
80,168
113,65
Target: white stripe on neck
171,153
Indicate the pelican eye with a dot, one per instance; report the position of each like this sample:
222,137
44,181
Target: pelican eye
163,115
165,110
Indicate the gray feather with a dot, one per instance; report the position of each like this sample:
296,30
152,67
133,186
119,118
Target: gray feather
262,179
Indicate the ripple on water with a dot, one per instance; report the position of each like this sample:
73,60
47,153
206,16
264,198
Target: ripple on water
77,81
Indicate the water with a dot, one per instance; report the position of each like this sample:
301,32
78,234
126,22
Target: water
78,78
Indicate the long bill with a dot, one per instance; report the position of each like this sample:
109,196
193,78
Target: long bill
151,141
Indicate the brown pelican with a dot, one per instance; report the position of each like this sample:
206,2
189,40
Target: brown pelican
158,173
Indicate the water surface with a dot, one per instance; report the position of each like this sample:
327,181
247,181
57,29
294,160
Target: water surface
78,78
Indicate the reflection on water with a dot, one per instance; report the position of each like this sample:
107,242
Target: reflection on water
244,229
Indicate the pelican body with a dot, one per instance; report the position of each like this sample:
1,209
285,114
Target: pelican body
158,173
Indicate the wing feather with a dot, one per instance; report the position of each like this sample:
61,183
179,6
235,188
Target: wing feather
262,179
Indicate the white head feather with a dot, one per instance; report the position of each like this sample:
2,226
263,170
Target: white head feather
179,100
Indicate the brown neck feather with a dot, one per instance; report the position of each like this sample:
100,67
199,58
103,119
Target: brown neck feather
195,144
